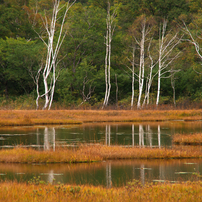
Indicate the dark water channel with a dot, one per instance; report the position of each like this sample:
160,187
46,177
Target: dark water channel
110,173
145,134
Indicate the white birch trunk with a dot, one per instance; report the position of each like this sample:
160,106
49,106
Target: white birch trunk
133,74
161,43
141,68
106,60
133,77
109,59
159,87
166,48
52,52
109,34
150,77
146,98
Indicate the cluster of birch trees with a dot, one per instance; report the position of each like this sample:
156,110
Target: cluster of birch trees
95,52
155,56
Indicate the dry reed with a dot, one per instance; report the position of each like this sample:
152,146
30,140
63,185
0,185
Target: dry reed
33,117
96,153
21,155
13,191
188,139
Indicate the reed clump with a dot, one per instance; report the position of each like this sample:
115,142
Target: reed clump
117,152
22,155
188,139
14,191
96,153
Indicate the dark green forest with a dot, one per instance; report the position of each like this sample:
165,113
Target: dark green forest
138,28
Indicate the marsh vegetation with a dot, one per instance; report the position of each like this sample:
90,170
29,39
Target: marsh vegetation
139,141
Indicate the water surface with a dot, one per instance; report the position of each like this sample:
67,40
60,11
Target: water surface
109,173
144,134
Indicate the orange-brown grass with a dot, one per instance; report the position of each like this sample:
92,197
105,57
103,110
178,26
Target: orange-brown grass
20,155
117,152
188,139
33,117
13,191
96,153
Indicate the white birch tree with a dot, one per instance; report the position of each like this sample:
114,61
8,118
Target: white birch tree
133,76
53,45
150,76
140,31
193,41
167,45
110,22
142,61
131,68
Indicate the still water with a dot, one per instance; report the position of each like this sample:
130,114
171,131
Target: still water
147,134
109,173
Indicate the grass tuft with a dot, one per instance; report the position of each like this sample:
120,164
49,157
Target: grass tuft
188,139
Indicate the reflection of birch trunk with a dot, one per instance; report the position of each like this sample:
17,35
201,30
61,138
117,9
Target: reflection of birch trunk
141,136
51,177
107,135
37,138
46,143
49,138
108,175
161,172
159,136
142,174
53,139
133,142
149,136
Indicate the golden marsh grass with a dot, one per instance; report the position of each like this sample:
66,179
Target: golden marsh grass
96,153
33,117
13,191
188,139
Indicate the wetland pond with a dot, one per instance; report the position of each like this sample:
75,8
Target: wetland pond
106,173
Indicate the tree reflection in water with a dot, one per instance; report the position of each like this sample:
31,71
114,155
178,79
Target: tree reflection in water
145,134
49,138
107,135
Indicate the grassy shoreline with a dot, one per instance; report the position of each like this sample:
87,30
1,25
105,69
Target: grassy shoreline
187,139
96,153
189,191
40,117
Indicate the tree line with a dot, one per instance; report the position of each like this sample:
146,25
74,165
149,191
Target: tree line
124,53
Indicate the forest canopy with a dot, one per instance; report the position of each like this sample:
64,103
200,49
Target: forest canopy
123,53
